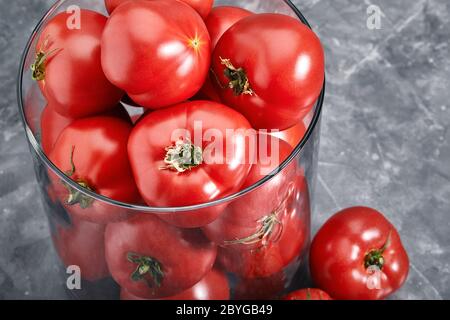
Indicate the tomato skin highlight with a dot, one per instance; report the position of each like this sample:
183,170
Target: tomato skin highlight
339,250
83,245
159,68
214,286
73,81
283,61
184,256
307,294
203,7
219,174
98,148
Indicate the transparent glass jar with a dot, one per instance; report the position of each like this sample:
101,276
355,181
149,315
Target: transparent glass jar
261,269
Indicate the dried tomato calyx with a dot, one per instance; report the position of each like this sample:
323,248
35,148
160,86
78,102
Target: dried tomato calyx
75,196
183,156
239,82
148,269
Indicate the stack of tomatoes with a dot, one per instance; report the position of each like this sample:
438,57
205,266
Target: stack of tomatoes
211,81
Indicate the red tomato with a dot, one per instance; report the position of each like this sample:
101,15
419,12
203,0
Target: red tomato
159,68
214,286
358,254
260,288
246,217
223,18
52,124
270,67
93,152
219,21
152,259
277,248
83,245
293,135
307,294
68,66
203,7
216,164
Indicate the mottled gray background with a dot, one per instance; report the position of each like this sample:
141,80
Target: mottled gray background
385,138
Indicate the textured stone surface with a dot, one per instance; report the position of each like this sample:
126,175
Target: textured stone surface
385,138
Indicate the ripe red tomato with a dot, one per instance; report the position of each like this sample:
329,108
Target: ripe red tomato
278,246
183,156
293,135
358,254
307,294
152,259
270,67
93,152
203,7
83,245
223,18
214,286
159,68
219,21
68,66
260,288
260,208
52,124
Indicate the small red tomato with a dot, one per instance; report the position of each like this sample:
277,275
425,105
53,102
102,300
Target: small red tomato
83,245
260,208
278,245
159,68
68,66
190,154
358,254
93,153
214,286
203,7
270,67
52,124
223,18
307,294
152,259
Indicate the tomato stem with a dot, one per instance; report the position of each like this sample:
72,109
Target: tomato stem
183,156
375,257
38,67
238,78
146,266
75,196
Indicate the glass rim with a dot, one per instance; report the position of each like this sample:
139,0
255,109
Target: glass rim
43,157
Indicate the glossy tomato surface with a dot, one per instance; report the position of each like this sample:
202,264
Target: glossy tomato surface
214,286
223,18
83,245
68,65
219,168
93,153
308,294
293,136
159,68
203,7
245,216
270,67
273,250
152,259
358,254
52,124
